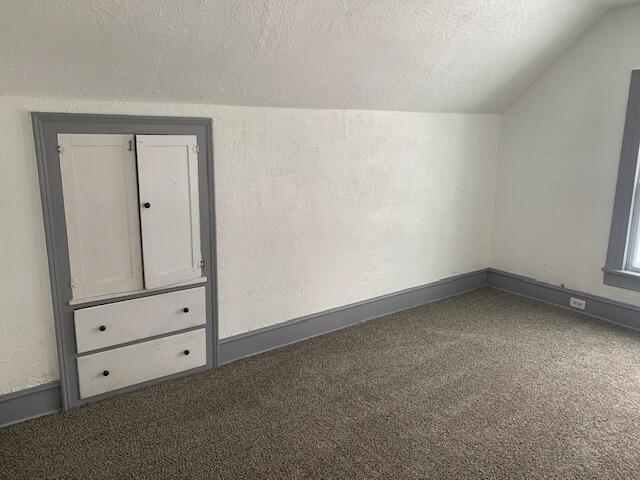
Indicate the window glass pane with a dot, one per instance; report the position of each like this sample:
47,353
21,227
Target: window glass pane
633,258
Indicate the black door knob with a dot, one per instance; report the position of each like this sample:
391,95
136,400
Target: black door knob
105,373
187,352
147,205
102,328
185,309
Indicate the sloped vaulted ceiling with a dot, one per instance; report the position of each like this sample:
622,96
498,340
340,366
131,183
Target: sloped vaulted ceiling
416,55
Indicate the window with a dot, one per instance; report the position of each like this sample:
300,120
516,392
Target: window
623,256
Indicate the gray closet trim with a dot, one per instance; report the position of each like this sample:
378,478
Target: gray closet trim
275,336
46,127
614,273
29,403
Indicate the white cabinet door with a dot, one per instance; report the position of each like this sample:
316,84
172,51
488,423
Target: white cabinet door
101,210
169,211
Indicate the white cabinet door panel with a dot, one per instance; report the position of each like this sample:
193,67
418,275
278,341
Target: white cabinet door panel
169,210
125,366
101,210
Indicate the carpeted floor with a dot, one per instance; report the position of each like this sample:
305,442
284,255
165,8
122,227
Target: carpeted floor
484,385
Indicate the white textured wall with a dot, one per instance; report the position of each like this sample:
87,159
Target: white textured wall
559,158
315,209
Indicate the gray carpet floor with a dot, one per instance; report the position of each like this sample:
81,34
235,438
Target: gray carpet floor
483,385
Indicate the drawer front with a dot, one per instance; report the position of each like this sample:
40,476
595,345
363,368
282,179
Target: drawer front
141,362
120,322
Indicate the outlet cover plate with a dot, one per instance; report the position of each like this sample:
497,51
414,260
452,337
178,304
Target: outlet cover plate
577,303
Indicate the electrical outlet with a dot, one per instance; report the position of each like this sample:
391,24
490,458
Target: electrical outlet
577,303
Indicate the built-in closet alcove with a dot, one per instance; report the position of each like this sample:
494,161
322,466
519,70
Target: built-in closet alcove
128,205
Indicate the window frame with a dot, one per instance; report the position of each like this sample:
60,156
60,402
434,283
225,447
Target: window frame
626,209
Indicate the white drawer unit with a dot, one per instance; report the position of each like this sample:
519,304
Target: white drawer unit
121,367
115,323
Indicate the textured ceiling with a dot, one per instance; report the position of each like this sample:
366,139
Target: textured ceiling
416,55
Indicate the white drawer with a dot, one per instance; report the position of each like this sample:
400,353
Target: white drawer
124,366
120,322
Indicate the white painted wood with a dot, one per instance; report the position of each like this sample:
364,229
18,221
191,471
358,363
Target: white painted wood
97,298
168,180
100,204
139,318
140,362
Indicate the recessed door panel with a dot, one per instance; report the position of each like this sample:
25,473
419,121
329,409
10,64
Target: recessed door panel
101,210
169,210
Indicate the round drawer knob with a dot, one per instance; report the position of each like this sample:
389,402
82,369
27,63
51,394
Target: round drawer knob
185,309
147,205
102,328
187,352
105,373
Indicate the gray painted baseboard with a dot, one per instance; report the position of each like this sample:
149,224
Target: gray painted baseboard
275,336
620,313
29,403
33,402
